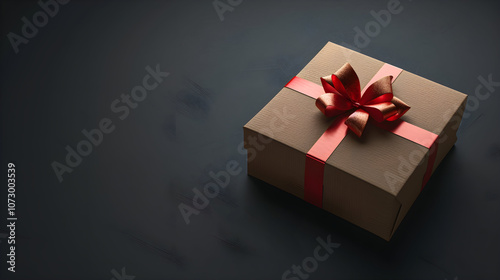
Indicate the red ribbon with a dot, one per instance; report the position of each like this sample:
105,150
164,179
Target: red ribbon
352,109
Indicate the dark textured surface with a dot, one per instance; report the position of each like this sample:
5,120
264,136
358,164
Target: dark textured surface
119,207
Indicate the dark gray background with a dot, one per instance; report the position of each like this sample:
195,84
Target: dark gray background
119,207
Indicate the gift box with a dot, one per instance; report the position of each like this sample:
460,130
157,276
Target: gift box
355,136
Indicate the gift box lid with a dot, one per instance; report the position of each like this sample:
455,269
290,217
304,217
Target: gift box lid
377,152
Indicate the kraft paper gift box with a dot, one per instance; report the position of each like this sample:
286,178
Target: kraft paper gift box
370,180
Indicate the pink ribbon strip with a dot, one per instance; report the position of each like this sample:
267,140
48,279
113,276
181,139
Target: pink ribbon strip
336,132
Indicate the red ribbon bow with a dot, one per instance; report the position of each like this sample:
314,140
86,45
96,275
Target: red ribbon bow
343,94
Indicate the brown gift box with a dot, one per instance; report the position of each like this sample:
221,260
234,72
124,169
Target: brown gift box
372,180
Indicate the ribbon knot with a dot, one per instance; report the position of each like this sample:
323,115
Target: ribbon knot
343,94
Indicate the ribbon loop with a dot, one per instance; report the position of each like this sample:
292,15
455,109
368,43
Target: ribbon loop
401,108
357,121
380,91
343,93
353,115
332,104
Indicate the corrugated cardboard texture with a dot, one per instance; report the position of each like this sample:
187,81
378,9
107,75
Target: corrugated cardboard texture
370,181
